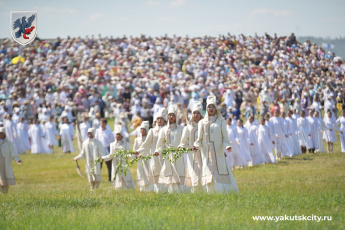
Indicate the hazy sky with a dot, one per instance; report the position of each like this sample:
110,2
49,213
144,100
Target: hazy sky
193,17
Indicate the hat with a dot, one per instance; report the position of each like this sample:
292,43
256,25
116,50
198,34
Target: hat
211,100
145,125
197,107
118,130
92,130
162,112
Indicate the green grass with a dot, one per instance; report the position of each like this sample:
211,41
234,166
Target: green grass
51,195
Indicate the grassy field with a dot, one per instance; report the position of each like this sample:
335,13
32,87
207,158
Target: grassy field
51,195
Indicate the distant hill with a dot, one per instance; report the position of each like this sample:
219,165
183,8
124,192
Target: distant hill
339,43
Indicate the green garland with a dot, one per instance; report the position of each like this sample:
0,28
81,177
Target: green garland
176,152
122,155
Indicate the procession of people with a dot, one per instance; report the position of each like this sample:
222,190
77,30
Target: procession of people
236,101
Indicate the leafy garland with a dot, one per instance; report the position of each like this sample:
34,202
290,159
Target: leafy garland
125,155
176,152
122,155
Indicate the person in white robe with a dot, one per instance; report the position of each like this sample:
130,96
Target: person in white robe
314,129
289,130
304,132
7,152
173,174
282,148
236,157
265,142
92,150
294,133
271,131
243,139
119,180
22,130
143,172
16,115
96,122
255,122
12,134
84,127
321,148
193,161
228,98
67,135
341,121
329,135
149,146
212,140
106,137
50,132
255,151
38,143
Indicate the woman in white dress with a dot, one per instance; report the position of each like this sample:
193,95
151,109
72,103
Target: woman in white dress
265,141
304,132
236,155
122,181
172,174
67,133
321,148
341,121
22,130
143,173
189,136
38,143
149,146
92,149
255,151
243,140
329,134
50,132
294,130
212,140
314,129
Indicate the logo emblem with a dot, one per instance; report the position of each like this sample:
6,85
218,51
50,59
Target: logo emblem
23,26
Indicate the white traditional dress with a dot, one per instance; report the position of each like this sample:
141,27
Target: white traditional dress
7,152
255,151
193,159
149,147
304,132
294,131
122,181
265,143
281,143
236,157
143,172
289,139
314,129
23,135
92,149
243,138
341,121
50,133
212,140
329,134
84,126
12,135
67,133
321,148
38,143
172,174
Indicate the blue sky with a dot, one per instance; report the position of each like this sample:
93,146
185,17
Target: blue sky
193,17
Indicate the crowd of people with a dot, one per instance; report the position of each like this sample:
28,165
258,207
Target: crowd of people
296,89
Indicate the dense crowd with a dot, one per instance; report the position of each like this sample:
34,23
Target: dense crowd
296,89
